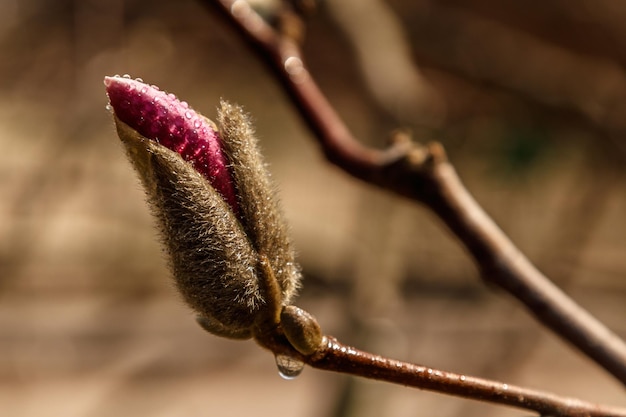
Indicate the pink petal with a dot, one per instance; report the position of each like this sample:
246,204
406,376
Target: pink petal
162,117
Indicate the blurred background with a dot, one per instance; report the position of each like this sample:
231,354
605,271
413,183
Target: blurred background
529,100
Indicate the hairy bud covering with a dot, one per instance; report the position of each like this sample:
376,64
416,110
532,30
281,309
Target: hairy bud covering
260,214
215,241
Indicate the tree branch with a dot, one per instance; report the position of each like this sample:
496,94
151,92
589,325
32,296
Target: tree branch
335,356
340,358
424,174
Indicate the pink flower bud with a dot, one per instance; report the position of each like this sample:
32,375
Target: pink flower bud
172,123
216,208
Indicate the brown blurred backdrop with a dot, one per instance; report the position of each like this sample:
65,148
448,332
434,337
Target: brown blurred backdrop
529,99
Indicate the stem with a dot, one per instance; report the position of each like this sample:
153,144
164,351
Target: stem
284,58
334,356
503,264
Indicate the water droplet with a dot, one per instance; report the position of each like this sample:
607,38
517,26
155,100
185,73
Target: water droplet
109,107
196,123
139,79
144,90
155,87
288,368
188,114
184,104
126,76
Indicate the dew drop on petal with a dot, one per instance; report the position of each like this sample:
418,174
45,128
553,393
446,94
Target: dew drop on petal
184,104
126,76
139,79
188,114
288,368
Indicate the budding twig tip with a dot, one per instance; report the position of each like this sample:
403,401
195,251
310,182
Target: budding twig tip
225,235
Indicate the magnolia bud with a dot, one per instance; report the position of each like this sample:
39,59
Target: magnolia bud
301,329
215,204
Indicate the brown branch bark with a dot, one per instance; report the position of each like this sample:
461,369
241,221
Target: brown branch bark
335,356
424,174
340,358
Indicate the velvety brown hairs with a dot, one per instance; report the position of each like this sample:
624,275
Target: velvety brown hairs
214,253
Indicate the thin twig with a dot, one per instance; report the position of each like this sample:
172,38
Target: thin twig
345,359
501,263
337,357
426,175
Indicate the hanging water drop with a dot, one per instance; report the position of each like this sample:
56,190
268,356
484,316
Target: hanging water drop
288,368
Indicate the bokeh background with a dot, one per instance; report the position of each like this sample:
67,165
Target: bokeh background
529,99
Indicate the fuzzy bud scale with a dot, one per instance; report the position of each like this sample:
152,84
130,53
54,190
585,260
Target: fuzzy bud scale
217,209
